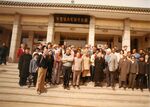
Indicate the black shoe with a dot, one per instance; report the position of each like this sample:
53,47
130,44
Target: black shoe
113,88
78,86
108,85
124,88
68,88
141,90
100,85
74,86
95,85
85,84
57,83
21,85
45,91
64,87
38,92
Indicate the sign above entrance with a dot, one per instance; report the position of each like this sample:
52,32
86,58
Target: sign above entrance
71,19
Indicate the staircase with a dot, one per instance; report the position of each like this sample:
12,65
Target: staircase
12,95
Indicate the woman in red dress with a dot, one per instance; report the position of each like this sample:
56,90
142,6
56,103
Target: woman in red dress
20,51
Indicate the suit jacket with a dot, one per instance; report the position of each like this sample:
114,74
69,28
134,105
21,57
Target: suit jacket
142,67
113,63
134,67
124,68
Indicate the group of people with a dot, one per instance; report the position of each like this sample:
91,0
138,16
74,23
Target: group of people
79,66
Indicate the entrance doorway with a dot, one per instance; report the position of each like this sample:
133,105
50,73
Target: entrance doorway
134,43
103,40
76,39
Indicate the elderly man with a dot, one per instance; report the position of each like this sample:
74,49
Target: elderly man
107,72
133,72
67,61
112,65
124,68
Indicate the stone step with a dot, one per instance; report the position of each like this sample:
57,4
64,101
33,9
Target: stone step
12,81
28,104
9,69
68,101
77,95
15,76
13,65
9,72
84,89
9,76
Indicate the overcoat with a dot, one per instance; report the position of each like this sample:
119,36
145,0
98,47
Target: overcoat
99,66
124,68
23,65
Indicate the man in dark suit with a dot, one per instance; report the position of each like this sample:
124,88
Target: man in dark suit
23,66
3,53
141,73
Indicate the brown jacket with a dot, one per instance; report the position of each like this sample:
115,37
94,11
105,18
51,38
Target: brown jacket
124,68
134,68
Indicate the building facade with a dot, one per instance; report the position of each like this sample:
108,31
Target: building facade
76,22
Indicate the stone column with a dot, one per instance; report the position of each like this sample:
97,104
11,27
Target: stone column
91,37
126,35
50,30
15,39
30,40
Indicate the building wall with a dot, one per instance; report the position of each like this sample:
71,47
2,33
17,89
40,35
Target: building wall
109,23
102,27
6,19
34,20
140,25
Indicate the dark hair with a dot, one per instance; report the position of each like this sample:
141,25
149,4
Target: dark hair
27,48
122,51
49,43
36,49
44,47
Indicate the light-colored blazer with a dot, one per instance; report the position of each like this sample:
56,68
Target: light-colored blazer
113,63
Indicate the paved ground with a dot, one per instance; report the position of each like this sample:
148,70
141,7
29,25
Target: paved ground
11,95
